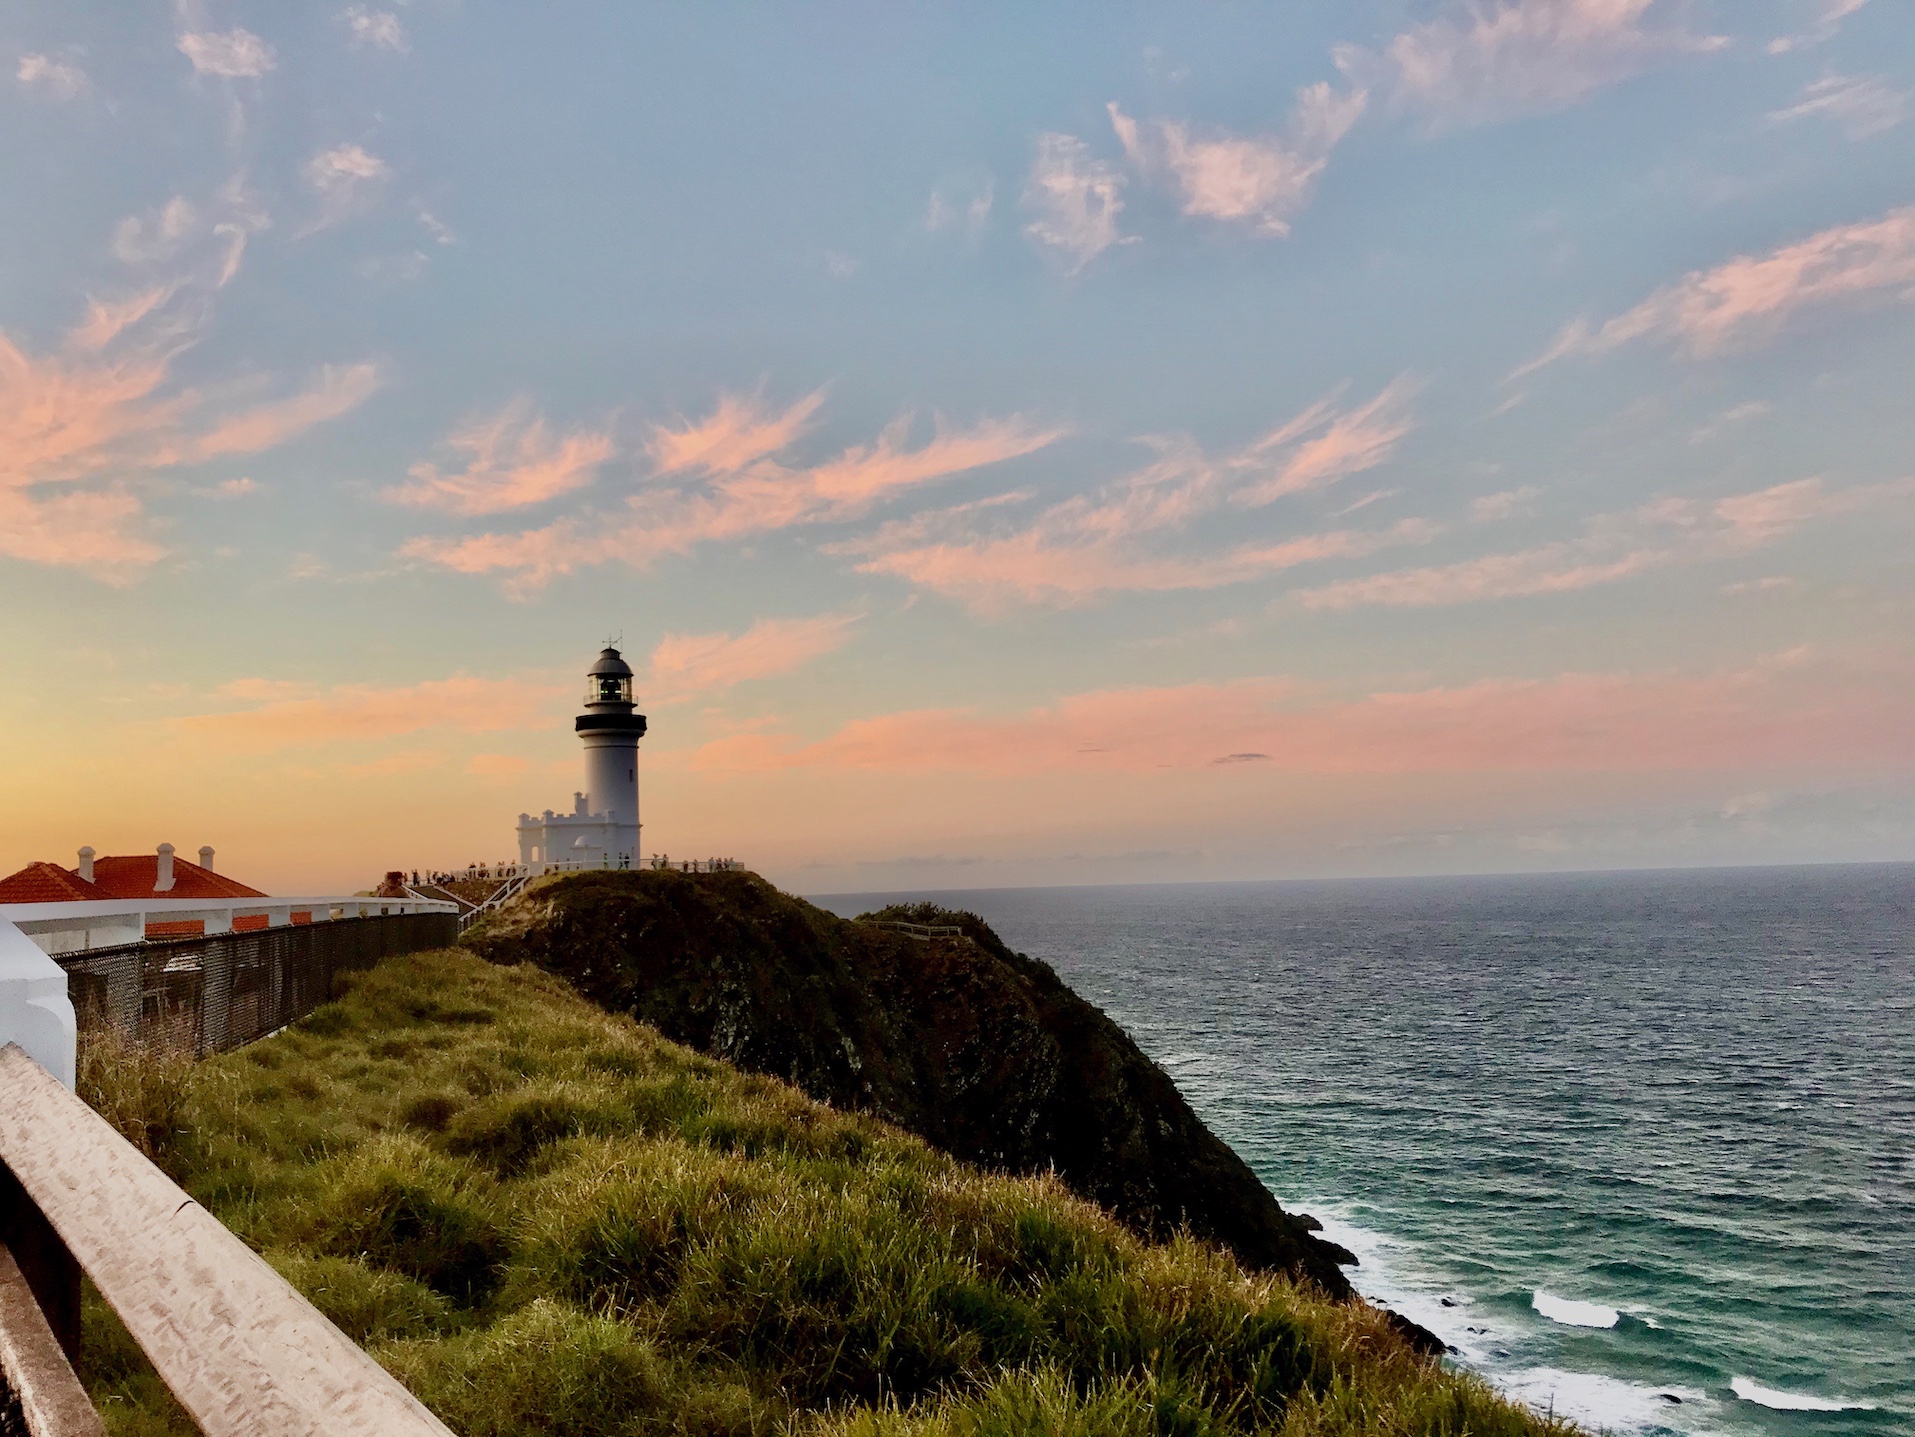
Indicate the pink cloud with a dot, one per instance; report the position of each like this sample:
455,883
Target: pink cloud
1789,712
106,320
1076,199
345,179
514,461
683,665
991,575
1481,62
95,532
100,411
1360,439
1751,296
56,79
737,433
340,390
288,716
733,493
1863,105
1112,540
232,54
1614,547
1260,181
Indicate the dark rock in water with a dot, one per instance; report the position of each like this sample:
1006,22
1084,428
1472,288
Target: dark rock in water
979,1050
1447,1301
1671,1397
1416,1334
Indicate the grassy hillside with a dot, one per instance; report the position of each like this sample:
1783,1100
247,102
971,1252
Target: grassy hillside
546,1219
981,1051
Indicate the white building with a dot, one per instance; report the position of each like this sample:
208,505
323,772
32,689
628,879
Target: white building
602,830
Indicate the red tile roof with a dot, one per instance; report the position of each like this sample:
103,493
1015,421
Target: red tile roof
133,876
48,883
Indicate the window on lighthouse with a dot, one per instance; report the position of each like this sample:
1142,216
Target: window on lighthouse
609,689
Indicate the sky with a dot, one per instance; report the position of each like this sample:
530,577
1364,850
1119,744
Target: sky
1013,444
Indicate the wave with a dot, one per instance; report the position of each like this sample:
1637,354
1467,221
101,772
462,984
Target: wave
1572,1313
1605,1403
1749,1390
1484,1340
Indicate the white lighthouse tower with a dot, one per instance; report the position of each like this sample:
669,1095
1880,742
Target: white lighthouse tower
602,830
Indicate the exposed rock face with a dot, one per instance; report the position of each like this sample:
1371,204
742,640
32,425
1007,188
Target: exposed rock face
978,1049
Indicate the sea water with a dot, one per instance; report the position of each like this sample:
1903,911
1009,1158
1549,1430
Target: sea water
1640,1147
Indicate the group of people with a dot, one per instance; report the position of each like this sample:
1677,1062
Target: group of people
471,870
698,865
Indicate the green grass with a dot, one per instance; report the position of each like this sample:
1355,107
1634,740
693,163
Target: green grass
546,1219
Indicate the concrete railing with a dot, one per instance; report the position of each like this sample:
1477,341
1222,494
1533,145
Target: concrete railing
244,1353
240,1349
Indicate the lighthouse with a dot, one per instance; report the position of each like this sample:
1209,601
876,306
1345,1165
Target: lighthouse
602,830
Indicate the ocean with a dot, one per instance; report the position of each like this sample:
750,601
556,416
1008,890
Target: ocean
1639,1146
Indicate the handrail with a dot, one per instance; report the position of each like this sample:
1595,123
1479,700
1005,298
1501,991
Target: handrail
923,932
244,1353
34,1368
497,900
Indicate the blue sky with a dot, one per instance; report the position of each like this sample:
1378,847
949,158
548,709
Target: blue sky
1014,446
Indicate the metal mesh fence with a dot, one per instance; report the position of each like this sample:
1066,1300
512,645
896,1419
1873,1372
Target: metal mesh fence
210,994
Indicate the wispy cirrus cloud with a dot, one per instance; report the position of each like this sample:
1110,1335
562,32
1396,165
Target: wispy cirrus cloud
231,54
345,178
963,205
1791,710
55,79
736,434
1259,181
686,665
1828,20
84,427
377,29
1492,60
1076,199
336,390
719,479
1863,105
513,461
988,557
1614,547
1749,297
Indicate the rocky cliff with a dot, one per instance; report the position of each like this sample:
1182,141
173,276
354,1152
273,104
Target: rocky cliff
976,1048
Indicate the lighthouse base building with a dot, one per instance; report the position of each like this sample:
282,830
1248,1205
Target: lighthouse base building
602,830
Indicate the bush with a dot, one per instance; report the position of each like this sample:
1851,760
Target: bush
143,1089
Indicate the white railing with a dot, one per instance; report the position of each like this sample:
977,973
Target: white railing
113,922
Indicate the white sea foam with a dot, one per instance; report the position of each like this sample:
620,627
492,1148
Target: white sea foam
1572,1313
1485,1341
1605,1402
1380,1277
1750,1390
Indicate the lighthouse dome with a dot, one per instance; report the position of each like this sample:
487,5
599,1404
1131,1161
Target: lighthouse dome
609,681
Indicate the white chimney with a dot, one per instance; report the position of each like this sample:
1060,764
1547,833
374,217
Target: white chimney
206,856
86,863
163,882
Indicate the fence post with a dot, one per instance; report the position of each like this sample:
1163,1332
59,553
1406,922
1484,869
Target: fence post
215,996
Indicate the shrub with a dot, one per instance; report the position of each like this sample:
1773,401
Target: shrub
547,1368
397,1204
143,1089
366,1302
